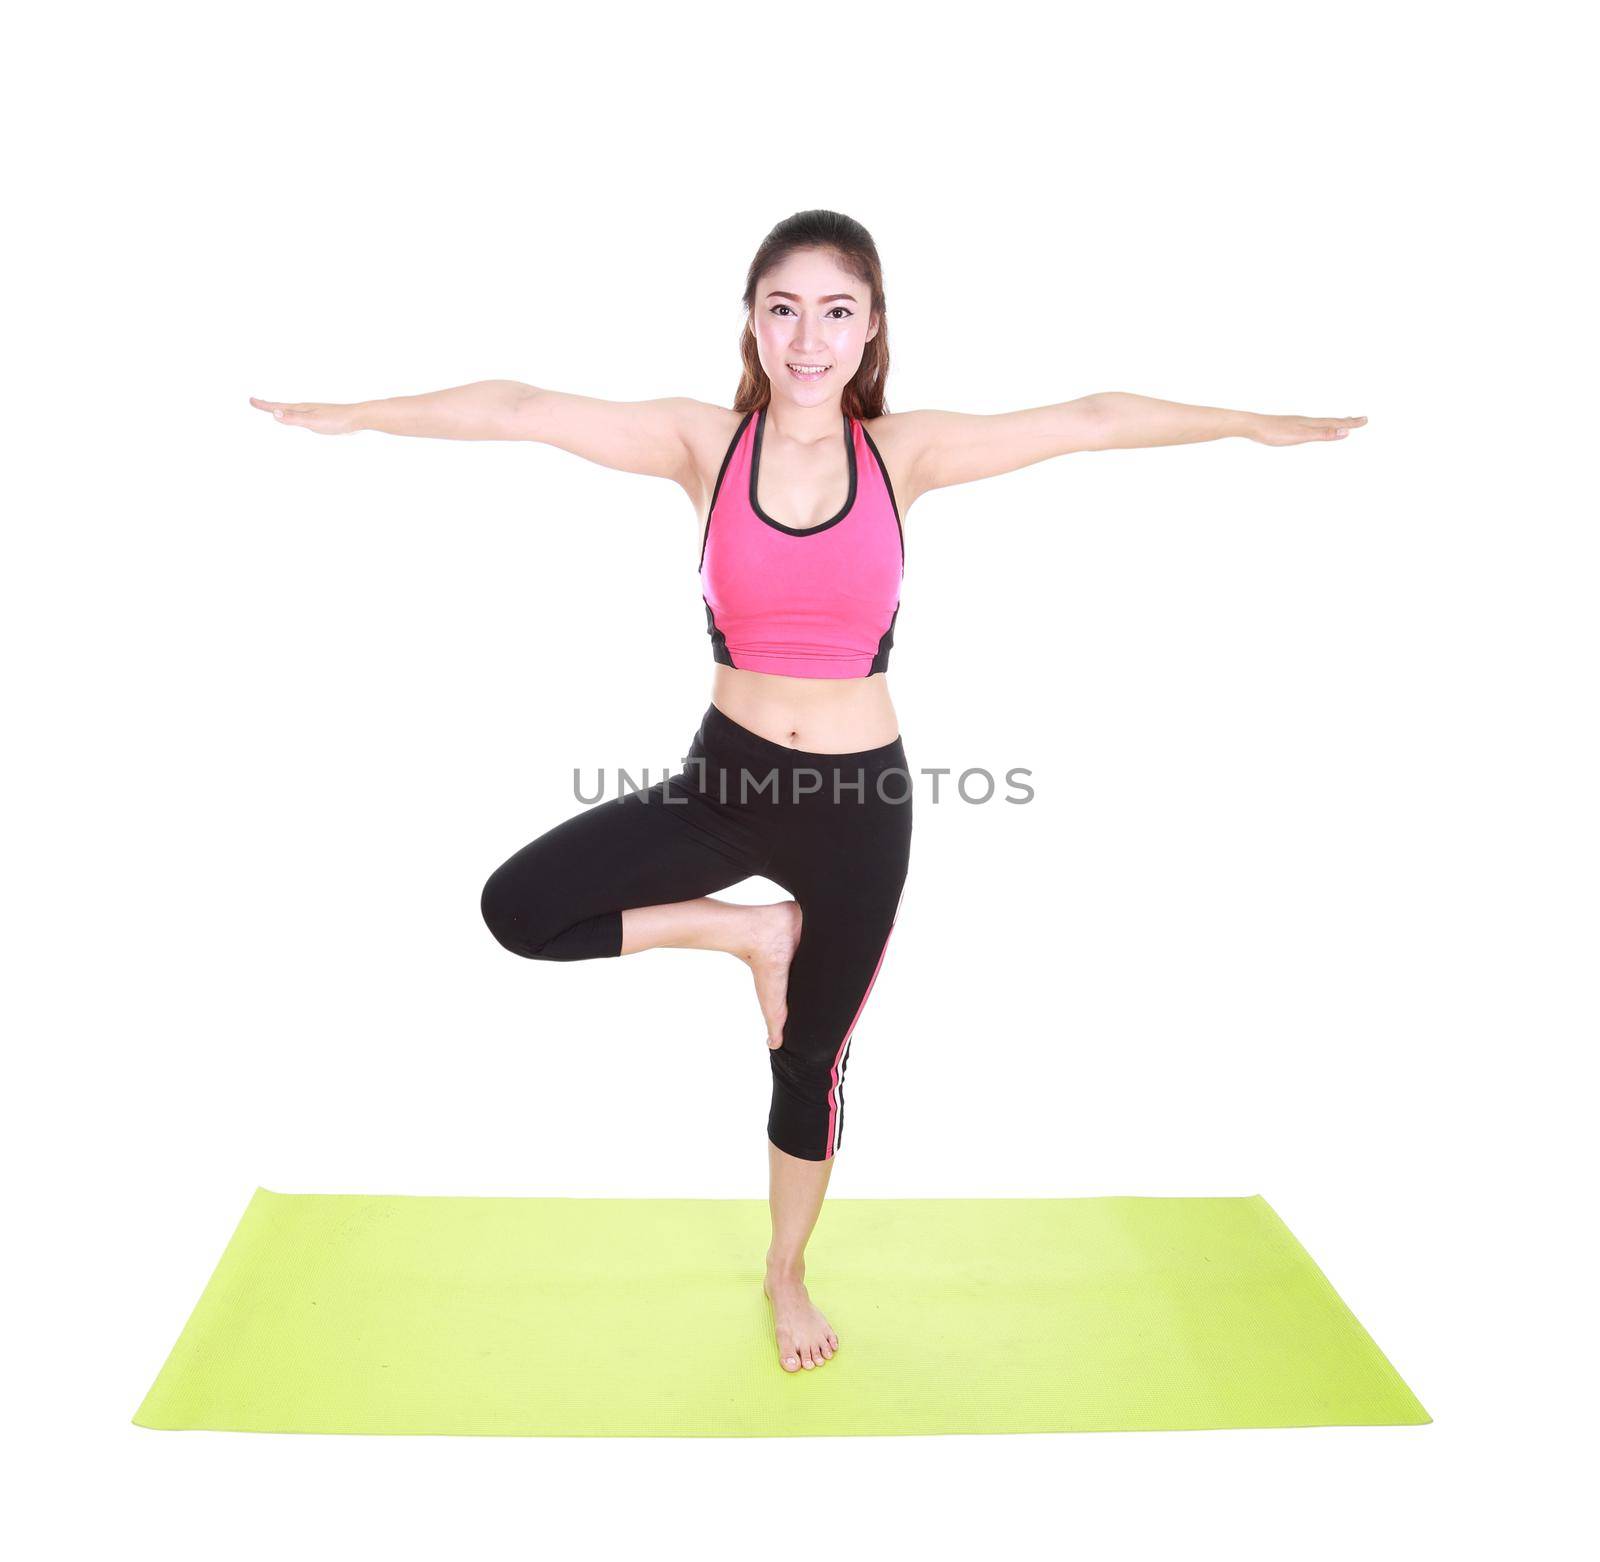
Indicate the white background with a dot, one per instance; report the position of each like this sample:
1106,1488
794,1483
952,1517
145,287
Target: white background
1304,905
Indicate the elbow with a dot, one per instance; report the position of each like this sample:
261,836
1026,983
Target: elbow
1097,416
523,404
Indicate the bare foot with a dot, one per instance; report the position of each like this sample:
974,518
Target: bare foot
775,935
804,1338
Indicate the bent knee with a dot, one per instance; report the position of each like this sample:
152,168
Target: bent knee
506,912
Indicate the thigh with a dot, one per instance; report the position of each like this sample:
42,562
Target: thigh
662,844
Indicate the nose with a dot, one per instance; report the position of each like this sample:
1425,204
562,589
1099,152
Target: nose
807,337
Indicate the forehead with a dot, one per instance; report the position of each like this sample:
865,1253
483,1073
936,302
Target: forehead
813,275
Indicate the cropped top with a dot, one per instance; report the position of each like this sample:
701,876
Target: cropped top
802,601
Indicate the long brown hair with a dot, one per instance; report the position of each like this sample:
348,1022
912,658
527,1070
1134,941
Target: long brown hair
852,245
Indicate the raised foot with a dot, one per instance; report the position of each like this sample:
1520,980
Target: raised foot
774,937
804,1339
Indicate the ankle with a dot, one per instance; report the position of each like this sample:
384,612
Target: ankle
789,1270
750,942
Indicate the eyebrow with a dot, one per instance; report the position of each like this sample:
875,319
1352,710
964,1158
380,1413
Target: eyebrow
826,299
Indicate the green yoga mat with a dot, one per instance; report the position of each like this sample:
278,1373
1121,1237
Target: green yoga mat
645,1318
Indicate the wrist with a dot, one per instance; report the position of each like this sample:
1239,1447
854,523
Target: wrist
358,416
1246,425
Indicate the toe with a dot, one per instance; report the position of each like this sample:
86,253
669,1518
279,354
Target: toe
791,1363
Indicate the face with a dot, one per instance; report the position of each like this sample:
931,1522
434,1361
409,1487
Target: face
810,312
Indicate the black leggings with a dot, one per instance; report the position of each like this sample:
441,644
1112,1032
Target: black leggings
834,830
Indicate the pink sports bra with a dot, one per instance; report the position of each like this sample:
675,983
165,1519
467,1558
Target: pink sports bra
802,601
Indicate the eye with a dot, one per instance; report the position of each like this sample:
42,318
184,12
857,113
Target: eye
837,309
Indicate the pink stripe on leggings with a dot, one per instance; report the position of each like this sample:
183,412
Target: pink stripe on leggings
836,1073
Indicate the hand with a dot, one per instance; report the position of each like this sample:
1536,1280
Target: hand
321,417
1268,429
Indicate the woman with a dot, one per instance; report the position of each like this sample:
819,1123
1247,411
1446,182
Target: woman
797,772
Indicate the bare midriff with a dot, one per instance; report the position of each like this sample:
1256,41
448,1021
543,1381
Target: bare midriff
819,715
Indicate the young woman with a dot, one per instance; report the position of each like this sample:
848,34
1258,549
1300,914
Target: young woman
797,772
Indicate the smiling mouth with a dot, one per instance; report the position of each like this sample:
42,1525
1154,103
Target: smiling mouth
808,371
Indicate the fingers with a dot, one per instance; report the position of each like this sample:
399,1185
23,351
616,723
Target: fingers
1290,429
1329,428
284,411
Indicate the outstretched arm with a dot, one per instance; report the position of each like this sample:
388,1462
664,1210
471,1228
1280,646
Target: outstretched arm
943,448
1128,422
649,437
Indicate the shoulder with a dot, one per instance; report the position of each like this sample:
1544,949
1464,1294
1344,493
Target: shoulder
708,431
900,439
